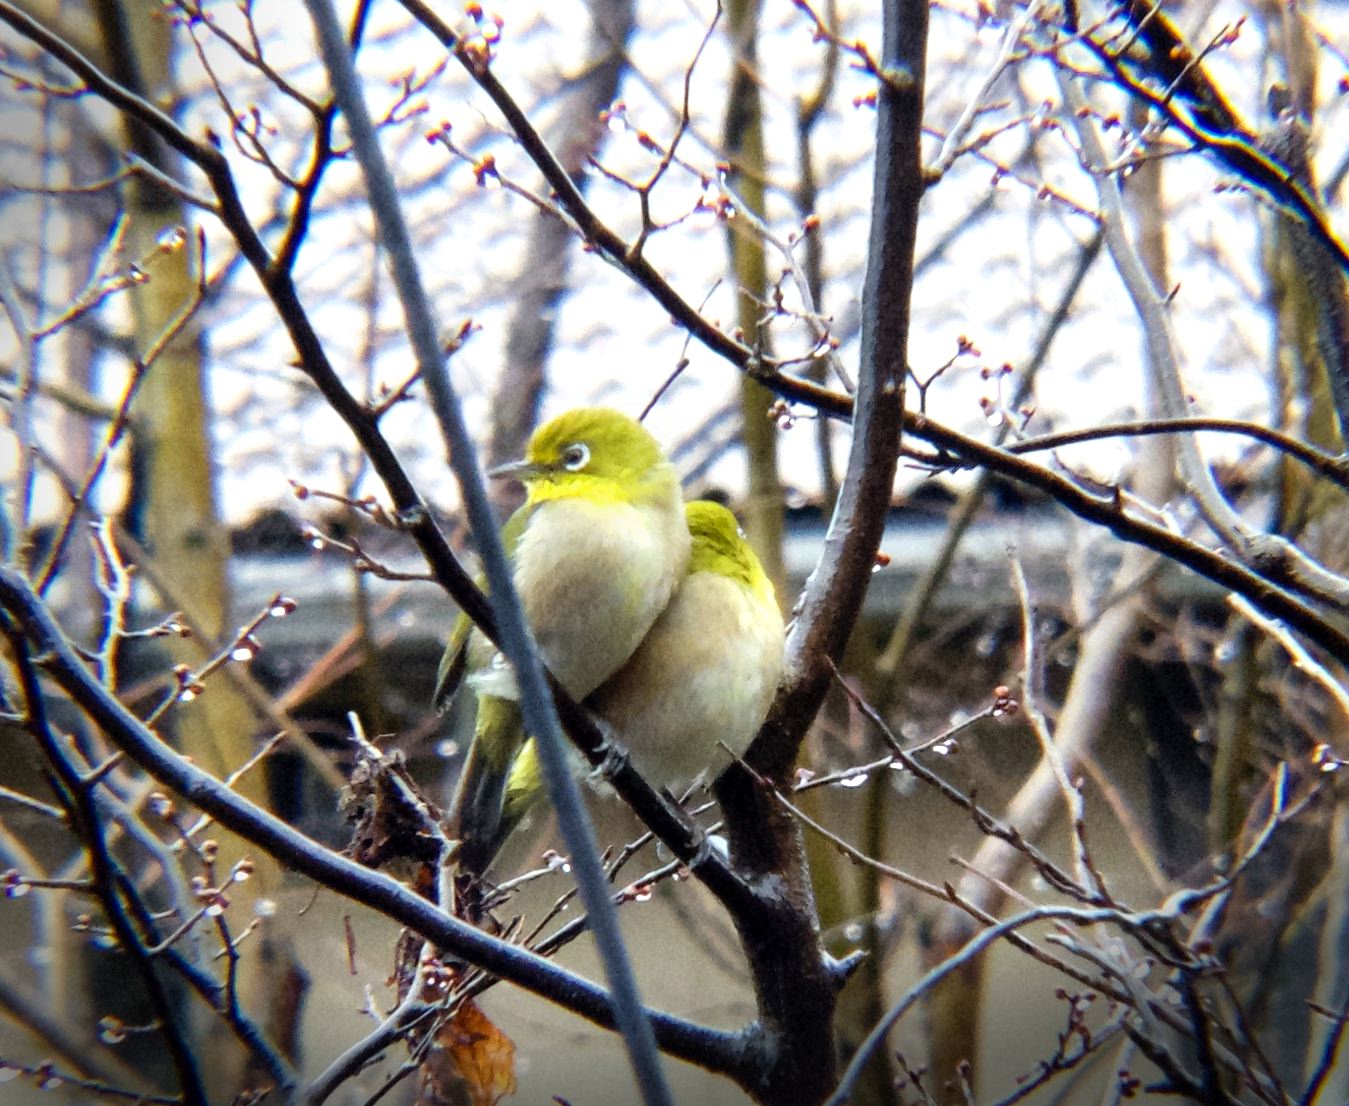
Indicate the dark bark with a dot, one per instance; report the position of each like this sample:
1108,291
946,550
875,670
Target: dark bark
795,985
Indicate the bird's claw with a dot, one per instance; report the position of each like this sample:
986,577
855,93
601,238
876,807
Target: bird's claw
614,758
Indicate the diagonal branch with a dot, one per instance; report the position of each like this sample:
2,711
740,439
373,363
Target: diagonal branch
596,233
535,700
1196,105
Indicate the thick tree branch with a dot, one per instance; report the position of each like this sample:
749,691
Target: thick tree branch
834,595
794,988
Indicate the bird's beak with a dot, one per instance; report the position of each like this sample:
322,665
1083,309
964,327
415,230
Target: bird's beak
515,470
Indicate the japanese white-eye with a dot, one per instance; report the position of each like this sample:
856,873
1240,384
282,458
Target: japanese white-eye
596,551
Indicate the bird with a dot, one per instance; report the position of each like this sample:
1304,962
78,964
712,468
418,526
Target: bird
596,552
694,694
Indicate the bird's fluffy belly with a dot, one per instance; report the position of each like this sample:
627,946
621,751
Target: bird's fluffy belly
674,717
594,577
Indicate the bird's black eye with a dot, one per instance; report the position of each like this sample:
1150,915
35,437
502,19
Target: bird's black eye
575,457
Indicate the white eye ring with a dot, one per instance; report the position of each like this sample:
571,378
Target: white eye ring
575,457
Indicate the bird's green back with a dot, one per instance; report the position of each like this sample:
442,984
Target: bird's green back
719,546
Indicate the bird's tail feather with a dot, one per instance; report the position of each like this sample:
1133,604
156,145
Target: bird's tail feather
524,789
477,813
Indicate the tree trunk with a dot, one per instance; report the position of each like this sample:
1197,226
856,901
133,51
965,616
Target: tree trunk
742,140
174,485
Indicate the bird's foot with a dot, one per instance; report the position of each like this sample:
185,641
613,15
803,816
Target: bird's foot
615,759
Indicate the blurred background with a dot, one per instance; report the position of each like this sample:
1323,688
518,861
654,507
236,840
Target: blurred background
168,467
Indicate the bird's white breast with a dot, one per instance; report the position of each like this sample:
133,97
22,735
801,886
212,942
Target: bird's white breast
593,577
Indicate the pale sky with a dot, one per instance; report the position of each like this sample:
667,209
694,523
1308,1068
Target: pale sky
614,345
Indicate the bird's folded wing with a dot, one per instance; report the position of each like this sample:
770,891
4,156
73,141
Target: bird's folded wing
454,661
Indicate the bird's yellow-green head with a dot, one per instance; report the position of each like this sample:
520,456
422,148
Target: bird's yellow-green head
594,452
720,546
